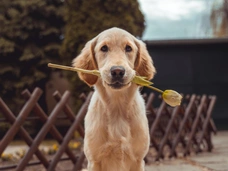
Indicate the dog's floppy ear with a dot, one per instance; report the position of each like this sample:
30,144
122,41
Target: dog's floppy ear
144,64
86,60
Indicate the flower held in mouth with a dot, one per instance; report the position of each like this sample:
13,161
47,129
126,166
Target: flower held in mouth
171,97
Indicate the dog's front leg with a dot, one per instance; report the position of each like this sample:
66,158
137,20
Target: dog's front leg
138,166
94,166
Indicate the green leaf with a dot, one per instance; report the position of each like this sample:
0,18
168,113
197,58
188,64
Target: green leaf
4,69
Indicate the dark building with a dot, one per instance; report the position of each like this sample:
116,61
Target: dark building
194,66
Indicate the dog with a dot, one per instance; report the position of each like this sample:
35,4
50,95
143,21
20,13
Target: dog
116,126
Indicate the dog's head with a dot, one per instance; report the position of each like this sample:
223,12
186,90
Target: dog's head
118,55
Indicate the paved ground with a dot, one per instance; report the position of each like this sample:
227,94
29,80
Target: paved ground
215,161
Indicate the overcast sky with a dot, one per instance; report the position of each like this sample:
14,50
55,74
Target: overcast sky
176,19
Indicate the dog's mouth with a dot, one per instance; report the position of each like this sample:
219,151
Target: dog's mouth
117,85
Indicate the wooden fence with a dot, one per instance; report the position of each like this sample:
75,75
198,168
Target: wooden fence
187,127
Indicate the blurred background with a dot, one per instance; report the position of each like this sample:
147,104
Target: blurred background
184,19
187,39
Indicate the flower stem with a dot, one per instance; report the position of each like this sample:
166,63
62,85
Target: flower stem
154,88
61,67
95,72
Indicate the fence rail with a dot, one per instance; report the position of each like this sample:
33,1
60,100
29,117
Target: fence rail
189,126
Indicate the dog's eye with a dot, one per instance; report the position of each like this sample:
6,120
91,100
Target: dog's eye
104,48
128,48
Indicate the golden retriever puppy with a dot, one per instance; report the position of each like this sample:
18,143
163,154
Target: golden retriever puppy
116,127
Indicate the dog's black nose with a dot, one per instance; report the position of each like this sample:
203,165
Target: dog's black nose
117,71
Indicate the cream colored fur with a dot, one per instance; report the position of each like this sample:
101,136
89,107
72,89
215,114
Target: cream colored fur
116,127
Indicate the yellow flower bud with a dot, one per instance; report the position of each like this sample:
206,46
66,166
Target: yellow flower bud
74,145
172,97
6,156
20,153
55,147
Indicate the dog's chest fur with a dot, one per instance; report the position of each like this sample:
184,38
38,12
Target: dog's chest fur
119,126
